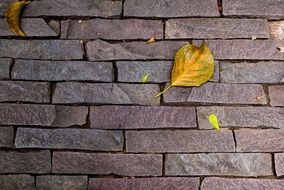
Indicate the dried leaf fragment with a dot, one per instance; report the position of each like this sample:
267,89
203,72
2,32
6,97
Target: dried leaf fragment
281,49
12,16
213,120
193,66
151,40
144,78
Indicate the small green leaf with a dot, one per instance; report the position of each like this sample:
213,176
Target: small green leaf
213,119
144,78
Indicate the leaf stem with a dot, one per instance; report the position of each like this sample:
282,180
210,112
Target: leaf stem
167,88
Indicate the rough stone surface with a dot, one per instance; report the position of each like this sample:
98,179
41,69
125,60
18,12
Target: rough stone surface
160,183
255,8
228,164
17,182
99,50
5,64
158,71
223,28
61,182
111,29
6,137
41,49
62,70
242,117
140,117
279,164
34,27
245,49
102,93
55,25
98,163
181,8
214,183
81,139
24,91
269,140
98,8
276,95
25,162
179,141
276,30
217,93
260,72
44,115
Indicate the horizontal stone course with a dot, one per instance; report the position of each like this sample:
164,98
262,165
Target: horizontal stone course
111,29
227,164
276,94
200,28
102,93
98,163
214,183
6,137
76,139
252,117
41,49
254,8
142,117
62,70
24,91
44,115
181,8
32,27
279,164
61,182
5,64
179,141
260,72
159,183
218,93
270,140
17,182
25,162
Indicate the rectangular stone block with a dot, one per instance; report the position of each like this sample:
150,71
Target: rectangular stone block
158,183
279,164
254,8
6,137
181,8
245,49
142,117
25,162
260,72
41,49
62,70
98,163
60,8
103,93
268,140
276,94
76,139
42,115
221,164
111,29
180,141
17,182
32,27
22,91
45,182
5,64
100,50
276,30
214,183
157,71
218,93
224,28
252,117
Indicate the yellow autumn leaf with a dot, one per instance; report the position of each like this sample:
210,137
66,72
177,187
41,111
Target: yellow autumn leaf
213,119
151,40
144,78
193,66
12,16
